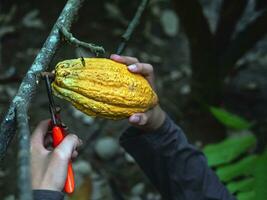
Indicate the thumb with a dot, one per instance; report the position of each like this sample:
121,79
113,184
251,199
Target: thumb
139,119
60,156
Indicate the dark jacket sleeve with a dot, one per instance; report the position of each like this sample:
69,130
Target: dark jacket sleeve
47,195
177,169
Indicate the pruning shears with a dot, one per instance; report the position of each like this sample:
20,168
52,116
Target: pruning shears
58,133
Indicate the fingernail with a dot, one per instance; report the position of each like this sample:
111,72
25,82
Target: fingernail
132,68
115,56
135,119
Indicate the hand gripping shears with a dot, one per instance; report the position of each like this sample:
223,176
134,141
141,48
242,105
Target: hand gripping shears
58,133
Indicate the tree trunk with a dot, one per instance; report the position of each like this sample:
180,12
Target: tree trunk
206,81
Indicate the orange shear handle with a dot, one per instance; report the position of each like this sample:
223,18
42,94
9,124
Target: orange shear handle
58,136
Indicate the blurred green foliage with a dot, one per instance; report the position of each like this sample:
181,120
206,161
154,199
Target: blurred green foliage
243,172
229,149
230,120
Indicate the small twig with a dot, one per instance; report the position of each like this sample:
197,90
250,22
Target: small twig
97,50
24,174
49,74
131,27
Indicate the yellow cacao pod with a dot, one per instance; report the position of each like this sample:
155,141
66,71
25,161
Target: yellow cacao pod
101,87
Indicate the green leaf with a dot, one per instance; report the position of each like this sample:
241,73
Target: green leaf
247,196
260,175
241,168
245,177
241,186
230,120
228,150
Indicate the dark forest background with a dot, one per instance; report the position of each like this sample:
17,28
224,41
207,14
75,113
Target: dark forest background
210,61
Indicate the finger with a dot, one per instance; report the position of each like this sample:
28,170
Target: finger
74,154
48,140
124,59
144,69
39,133
80,142
139,119
65,149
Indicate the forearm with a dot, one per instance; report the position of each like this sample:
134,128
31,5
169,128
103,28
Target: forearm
47,195
176,168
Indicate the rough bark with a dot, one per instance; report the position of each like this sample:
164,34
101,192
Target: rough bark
24,172
40,64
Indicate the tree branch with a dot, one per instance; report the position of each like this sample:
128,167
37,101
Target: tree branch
30,81
244,41
97,50
230,13
132,26
24,172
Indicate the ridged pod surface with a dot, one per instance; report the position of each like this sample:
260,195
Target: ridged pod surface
101,87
